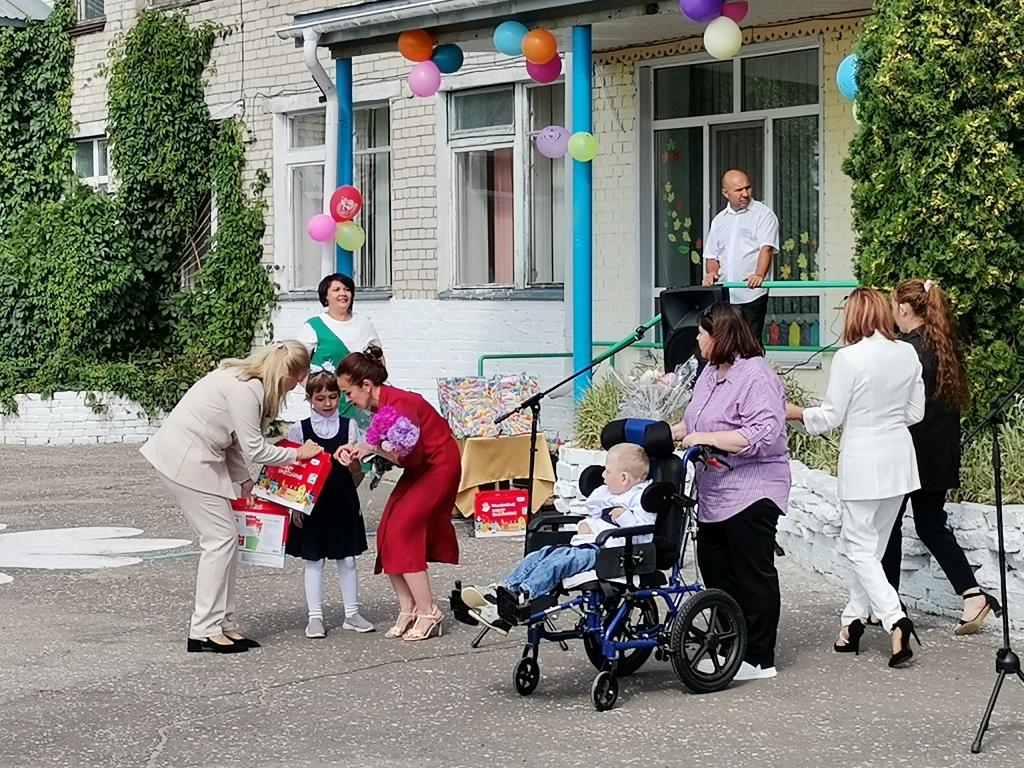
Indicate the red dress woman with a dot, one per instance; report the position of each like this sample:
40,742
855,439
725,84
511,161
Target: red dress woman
416,527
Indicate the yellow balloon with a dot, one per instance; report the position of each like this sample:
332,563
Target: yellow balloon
583,146
723,38
350,236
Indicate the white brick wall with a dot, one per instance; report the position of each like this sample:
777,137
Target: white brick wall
66,419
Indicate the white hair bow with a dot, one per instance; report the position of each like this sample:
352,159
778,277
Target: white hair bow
326,367
928,285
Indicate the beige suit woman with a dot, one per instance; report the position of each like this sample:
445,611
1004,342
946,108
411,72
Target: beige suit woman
201,453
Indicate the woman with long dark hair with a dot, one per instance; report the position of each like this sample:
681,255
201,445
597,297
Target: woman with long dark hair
922,313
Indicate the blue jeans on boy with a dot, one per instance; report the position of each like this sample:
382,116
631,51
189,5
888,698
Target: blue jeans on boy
540,572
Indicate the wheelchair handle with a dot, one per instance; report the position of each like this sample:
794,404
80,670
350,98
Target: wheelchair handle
705,454
623,533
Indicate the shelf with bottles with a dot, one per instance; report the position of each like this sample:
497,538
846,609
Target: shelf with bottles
792,321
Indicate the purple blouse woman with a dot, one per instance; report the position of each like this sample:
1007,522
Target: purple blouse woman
739,407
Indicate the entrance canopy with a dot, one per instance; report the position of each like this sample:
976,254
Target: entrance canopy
17,13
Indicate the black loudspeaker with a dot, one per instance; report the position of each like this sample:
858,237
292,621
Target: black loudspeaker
680,310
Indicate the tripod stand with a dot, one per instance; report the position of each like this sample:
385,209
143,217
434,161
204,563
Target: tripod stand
1007,662
533,404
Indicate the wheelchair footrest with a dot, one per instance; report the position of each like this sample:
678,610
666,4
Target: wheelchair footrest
459,609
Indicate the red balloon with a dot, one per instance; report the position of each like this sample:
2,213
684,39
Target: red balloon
346,202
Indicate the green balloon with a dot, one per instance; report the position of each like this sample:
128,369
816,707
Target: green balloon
350,236
583,146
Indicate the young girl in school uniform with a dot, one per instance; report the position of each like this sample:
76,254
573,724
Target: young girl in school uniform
334,530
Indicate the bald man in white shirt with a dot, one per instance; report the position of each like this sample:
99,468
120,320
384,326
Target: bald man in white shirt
741,242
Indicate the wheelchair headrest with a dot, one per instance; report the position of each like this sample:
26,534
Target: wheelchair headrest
655,437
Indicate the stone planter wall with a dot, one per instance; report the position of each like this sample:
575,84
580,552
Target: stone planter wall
809,531
66,419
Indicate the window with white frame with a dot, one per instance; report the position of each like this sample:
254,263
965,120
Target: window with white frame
304,180
760,113
508,200
91,162
90,10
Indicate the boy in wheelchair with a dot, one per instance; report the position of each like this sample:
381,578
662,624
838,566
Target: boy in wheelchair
616,504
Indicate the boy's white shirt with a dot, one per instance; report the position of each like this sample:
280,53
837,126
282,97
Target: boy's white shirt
602,499
324,427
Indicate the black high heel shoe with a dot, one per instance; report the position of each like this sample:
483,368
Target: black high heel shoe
971,626
854,632
904,654
206,644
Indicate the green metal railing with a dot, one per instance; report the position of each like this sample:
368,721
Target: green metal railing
614,347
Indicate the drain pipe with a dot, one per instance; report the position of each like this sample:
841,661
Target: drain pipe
310,38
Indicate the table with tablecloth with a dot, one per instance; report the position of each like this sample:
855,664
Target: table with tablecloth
489,460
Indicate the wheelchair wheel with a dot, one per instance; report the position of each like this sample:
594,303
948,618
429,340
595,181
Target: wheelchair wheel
709,638
643,616
604,691
527,675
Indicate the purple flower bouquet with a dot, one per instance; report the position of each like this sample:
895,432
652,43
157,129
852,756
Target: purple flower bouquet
392,432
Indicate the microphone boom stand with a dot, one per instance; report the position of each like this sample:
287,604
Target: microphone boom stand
1007,662
533,404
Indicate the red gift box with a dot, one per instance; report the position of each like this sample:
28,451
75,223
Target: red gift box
262,531
296,486
500,513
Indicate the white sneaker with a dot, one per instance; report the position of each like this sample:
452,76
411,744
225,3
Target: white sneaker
707,666
315,629
478,597
488,616
752,672
357,623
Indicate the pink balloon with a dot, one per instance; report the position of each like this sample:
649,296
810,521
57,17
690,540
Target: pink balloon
425,79
545,73
321,228
736,11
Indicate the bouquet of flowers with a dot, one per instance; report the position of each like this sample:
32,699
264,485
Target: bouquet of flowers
649,394
391,432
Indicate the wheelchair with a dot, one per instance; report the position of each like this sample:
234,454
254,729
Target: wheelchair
635,602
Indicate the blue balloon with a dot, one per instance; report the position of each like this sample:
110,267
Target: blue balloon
508,38
448,58
846,77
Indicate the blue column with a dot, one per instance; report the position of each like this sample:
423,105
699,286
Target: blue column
346,150
582,211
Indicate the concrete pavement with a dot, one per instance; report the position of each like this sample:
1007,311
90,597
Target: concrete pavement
93,669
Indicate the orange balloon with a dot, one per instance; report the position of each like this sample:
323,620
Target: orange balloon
540,46
416,45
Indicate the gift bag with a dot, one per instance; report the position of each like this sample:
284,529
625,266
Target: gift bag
467,404
507,392
296,486
262,532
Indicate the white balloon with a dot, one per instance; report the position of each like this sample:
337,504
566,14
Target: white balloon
723,38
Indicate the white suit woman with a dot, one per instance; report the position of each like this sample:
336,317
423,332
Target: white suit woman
875,391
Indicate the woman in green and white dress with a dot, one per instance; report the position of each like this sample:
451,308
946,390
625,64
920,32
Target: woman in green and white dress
331,336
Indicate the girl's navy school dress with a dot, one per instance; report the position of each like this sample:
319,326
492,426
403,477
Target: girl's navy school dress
334,529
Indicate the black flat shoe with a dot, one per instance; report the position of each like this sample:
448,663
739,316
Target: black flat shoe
206,644
853,634
904,654
245,642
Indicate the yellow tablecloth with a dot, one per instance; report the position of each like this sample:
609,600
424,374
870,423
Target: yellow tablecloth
493,459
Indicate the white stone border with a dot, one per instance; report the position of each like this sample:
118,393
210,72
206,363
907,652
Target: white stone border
67,419
809,530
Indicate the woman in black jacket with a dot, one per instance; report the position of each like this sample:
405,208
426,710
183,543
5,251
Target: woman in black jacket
922,314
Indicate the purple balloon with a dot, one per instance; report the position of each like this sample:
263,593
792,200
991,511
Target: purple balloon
545,73
425,79
553,141
321,228
701,11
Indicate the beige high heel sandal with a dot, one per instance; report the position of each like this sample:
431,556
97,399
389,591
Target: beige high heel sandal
403,624
425,626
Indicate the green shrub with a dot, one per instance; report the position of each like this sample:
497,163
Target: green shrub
976,479
817,452
938,168
599,405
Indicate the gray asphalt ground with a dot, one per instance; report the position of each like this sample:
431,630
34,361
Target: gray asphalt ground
93,669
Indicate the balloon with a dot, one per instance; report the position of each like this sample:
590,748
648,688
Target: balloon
416,45
350,236
736,11
723,38
321,228
701,11
540,46
508,37
553,141
448,58
346,202
583,146
545,73
846,77
425,79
